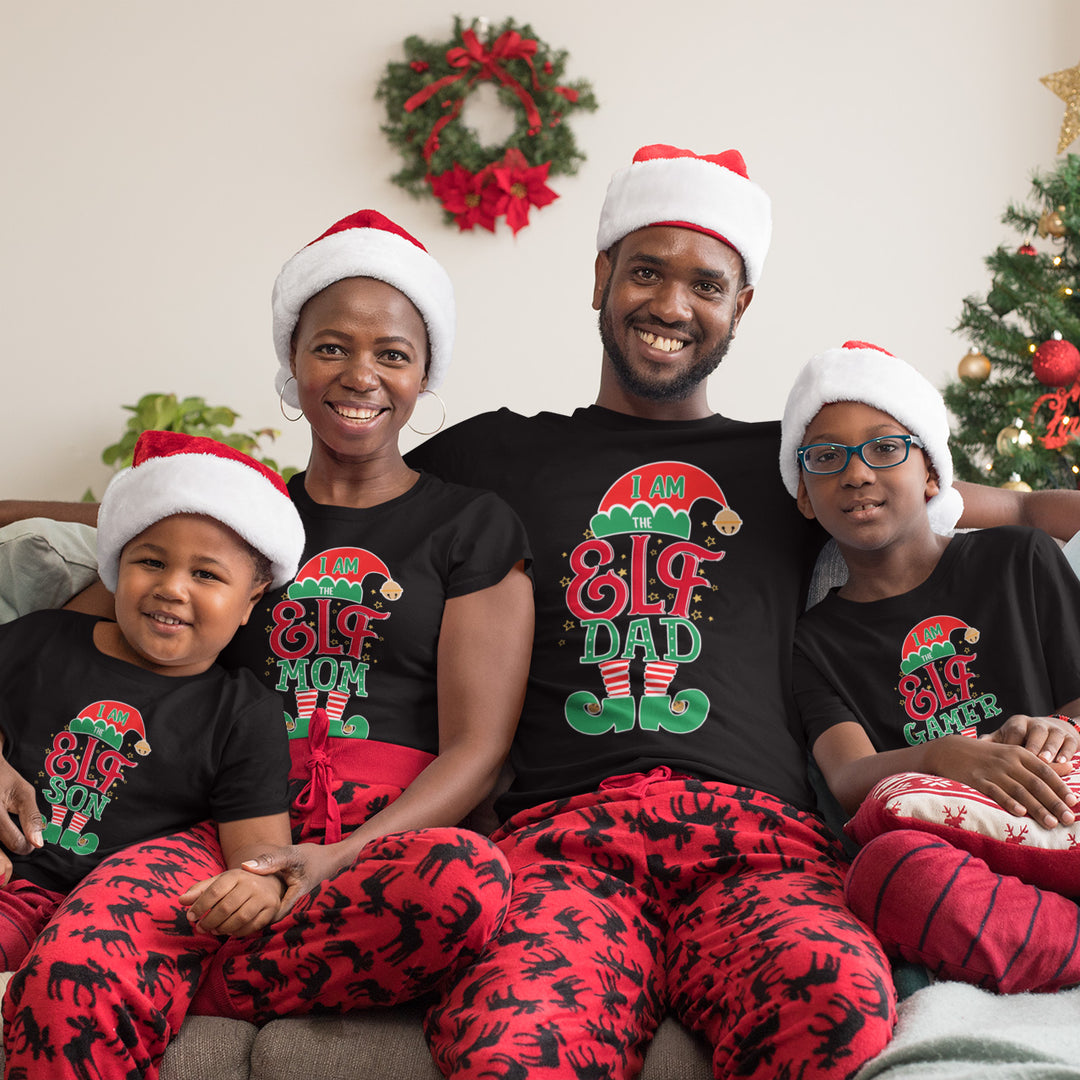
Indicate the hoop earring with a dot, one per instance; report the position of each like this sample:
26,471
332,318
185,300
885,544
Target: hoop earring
281,401
441,422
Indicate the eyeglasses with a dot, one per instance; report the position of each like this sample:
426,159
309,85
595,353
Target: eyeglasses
881,453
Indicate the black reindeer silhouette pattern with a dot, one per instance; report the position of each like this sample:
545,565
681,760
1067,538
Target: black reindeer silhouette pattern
121,964
714,903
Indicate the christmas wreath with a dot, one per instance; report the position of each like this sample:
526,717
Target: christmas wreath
476,184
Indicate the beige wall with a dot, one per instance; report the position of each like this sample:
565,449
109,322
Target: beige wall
161,160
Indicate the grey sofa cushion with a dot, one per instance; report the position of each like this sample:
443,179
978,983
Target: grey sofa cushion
211,1048
43,564
389,1044
384,1043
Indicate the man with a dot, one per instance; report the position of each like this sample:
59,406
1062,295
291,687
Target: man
664,852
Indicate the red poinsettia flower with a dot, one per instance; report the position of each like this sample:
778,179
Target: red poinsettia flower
460,193
514,187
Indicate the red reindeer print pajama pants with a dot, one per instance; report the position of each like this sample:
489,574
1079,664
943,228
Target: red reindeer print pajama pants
656,894
405,918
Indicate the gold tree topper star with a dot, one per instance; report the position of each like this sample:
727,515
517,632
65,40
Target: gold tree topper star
1066,85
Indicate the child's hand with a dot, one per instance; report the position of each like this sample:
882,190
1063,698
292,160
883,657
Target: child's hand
1046,736
234,903
1015,778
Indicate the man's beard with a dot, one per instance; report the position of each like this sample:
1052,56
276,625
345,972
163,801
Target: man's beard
675,387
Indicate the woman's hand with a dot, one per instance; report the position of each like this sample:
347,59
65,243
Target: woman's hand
1015,778
18,800
301,866
1046,736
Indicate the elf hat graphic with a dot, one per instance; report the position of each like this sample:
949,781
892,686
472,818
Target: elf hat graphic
930,640
657,498
339,573
112,722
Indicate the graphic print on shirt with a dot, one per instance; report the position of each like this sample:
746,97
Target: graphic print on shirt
86,760
321,635
637,587
937,681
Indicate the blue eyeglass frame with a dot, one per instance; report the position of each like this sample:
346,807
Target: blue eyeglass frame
908,440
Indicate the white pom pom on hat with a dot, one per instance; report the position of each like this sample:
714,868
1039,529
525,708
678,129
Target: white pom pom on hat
174,473
859,371
710,193
365,244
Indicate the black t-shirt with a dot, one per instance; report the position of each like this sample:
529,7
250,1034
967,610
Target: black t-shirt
119,754
357,631
670,567
994,631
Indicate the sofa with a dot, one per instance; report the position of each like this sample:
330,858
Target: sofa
42,564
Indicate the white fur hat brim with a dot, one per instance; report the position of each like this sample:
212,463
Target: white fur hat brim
695,193
885,382
364,252
193,483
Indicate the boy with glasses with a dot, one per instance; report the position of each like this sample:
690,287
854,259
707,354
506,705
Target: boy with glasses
954,656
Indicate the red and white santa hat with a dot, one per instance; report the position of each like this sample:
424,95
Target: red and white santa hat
709,193
365,244
859,371
173,473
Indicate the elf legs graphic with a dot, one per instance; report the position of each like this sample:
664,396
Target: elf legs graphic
618,710
405,918
661,893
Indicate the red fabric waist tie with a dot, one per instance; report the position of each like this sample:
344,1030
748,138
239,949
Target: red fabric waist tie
318,793
324,762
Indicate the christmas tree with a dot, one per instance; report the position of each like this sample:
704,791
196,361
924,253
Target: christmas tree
1017,398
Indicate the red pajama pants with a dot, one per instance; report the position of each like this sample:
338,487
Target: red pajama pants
934,904
25,910
405,918
721,905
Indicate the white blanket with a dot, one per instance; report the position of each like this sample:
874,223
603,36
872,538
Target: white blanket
952,1031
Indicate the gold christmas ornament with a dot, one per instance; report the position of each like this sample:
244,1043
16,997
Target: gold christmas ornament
1050,224
1014,483
974,368
1066,84
1011,438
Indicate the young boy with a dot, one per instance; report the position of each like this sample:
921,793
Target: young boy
864,450
129,729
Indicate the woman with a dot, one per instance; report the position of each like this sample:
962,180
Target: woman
400,651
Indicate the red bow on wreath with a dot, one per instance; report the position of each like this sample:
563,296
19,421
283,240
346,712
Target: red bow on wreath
508,46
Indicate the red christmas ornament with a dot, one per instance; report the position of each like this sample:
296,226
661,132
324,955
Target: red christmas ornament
1026,249
1056,363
